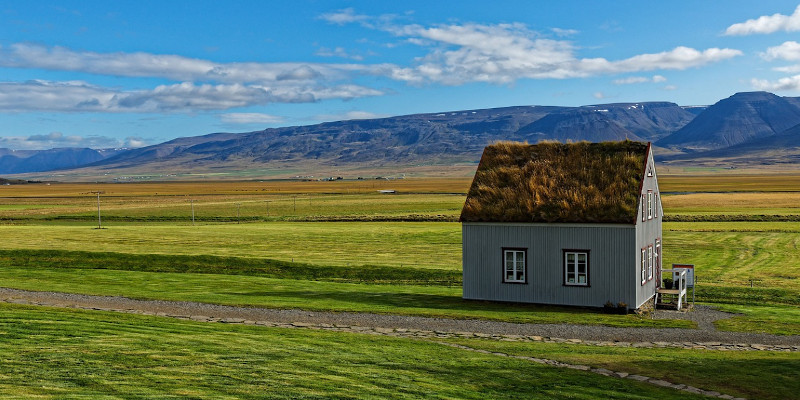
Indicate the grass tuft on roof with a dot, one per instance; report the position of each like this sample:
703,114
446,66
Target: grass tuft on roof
557,182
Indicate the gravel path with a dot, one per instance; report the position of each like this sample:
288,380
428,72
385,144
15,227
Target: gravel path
703,315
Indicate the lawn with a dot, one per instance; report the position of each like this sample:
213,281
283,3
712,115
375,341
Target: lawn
50,353
749,374
739,263
238,290
411,255
417,244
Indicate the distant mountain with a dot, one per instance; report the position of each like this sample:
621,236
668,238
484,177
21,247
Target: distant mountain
738,119
634,121
745,128
420,138
780,148
21,161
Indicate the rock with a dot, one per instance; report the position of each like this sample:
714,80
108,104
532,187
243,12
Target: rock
602,371
659,382
579,367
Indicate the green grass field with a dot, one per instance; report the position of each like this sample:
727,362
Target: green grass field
281,255
58,354
755,375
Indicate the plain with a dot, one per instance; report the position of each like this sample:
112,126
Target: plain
343,246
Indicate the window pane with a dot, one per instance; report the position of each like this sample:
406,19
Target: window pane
509,275
582,257
520,258
570,258
520,276
581,268
581,278
571,278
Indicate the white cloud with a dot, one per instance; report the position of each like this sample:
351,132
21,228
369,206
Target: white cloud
59,140
631,80
172,67
508,52
679,58
251,118
181,97
791,69
639,79
789,51
767,24
504,53
788,83
344,16
133,142
599,95
337,52
670,87
350,115
564,32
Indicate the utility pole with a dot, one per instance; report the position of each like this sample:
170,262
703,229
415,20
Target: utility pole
237,212
99,222
192,201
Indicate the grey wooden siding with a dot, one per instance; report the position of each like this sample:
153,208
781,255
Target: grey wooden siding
646,234
612,262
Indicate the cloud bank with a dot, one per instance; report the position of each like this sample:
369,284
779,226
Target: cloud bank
766,24
451,54
60,140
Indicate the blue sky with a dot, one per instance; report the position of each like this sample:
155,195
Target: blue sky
112,74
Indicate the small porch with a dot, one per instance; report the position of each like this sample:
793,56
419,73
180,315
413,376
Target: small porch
674,295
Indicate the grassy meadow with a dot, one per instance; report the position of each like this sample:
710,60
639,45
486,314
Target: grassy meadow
61,353
345,232
342,246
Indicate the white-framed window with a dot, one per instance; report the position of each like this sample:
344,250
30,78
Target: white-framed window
576,267
644,266
644,209
650,171
657,255
655,205
514,265
650,262
649,204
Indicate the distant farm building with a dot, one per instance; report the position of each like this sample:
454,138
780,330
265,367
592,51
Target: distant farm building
574,224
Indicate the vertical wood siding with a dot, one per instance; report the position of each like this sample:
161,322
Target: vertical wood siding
646,234
612,262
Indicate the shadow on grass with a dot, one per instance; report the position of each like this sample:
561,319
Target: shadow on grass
446,304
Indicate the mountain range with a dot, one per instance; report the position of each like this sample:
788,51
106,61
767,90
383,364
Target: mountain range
746,128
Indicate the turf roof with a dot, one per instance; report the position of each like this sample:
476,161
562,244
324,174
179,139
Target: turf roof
557,182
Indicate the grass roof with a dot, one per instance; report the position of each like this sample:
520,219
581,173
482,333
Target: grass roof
557,182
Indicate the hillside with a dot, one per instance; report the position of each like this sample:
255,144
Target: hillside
447,137
781,148
738,119
20,161
737,128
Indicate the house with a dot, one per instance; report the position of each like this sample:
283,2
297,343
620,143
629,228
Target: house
575,224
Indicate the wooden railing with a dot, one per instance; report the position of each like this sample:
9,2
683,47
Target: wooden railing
679,286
